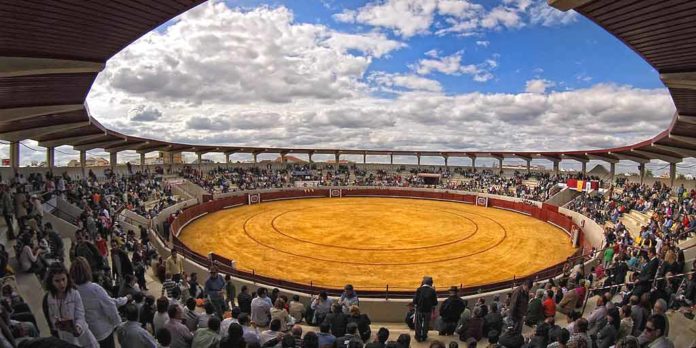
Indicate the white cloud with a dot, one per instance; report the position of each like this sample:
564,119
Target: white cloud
483,43
406,81
405,17
461,17
144,113
452,65
538,85
542,14
217,53
372,44
225,76
502,17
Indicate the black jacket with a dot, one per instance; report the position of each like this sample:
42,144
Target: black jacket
244,301
452,309
425,299
337,322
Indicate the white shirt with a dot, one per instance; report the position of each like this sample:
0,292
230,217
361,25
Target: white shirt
159,320
225,325
100,310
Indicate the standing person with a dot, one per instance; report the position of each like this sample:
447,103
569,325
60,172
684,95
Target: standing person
174,264
7,206
450,311
261,308
215,288
321,305
100,308
424,301
244,300
518,304
348,298
230,291
64,308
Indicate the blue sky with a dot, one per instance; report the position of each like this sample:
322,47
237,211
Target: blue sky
575,55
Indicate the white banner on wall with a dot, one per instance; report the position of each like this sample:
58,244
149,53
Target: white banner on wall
335,193
254,198
482,201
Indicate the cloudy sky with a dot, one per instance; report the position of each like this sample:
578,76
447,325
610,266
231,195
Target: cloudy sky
383,74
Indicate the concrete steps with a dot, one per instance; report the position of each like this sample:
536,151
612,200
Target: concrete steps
634,221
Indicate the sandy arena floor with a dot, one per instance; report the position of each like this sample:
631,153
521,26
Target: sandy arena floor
371,242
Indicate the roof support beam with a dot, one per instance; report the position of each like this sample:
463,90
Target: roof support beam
97,145
126,146
684,139
605,158
682,80
666,158
687,119
16,114
550,158
579,158
24,66
70,140
636,159
146,149
526,158
677,150
37,132
565,5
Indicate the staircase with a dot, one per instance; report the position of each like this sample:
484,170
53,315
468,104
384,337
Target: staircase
634,221
563,197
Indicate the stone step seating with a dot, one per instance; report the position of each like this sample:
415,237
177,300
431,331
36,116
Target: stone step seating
530,183
634,220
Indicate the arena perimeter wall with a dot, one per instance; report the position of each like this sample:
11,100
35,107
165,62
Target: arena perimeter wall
382,306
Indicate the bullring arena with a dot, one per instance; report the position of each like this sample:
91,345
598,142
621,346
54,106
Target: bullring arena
376,242
274,196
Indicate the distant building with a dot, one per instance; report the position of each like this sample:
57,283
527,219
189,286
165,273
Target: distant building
164,156
90,162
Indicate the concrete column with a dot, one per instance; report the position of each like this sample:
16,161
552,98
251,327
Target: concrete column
338,158
50,158
83,161
500,165
612,172
672,173
473,164
364,158
113,159
200,159
14,155
556,167
418,158
529,166
170,154
641,169
391,158
584,169
142,162
310,157
446,157
256,156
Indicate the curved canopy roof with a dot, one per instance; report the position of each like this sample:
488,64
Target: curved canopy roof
52,51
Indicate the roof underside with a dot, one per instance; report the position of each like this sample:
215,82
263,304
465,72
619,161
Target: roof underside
52,51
